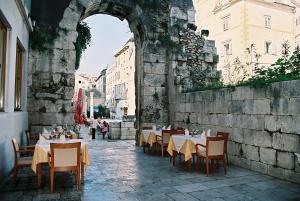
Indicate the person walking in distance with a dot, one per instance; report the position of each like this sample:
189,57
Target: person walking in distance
94,125
104,129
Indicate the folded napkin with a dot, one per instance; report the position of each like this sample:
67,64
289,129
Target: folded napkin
154,127
45,131
60,129
62,138
203,134
186,132
42,138
163,128
169,127
208,133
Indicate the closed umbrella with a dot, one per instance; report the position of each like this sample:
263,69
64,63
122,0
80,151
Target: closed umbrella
78,108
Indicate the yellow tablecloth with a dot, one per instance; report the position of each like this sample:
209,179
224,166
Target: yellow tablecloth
185,145
42,149
149,136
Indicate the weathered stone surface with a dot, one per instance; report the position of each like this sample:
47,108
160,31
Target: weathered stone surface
259,167
268,156
280,106
263,125
286,142
262,139
286,160
251,152
276,171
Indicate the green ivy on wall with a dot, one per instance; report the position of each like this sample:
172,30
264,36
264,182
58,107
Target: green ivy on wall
82,42
42,37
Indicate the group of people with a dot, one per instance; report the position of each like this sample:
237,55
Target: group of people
103,126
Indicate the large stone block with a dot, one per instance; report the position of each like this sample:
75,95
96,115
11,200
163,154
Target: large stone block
235,149
286,142
242,93
127,124
237,135
237,106
149,91
257,122
240,121
268,156
293,88
261,107
251,152
276,171
259,167
249,136
294,106
193,118
262,139
279,106
297,165
158,68
292,176
286,160
154,80
272,123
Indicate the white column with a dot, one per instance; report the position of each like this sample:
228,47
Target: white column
91,104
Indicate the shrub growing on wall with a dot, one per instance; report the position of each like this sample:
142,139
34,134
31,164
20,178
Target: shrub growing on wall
82,42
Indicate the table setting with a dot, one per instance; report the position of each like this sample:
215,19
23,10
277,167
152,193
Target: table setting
42,148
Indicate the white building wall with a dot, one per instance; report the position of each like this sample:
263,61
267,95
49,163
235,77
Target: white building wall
120,86
13,124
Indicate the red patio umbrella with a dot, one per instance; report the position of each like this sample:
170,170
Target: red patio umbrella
78,108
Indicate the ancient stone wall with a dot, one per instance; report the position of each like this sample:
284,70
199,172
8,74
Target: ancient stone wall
165,50
201,59
263,124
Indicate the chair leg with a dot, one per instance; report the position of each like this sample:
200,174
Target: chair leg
15,173
51,181
225,166
144,147
227,159
78,178
82,171
207,166
197,164
162,151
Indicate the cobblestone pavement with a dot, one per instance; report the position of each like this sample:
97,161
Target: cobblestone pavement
121,171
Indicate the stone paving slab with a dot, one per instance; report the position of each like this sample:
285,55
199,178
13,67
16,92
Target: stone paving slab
120,171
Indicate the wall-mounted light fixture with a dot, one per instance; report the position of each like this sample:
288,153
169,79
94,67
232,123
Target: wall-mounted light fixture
192,26
204,32
33,20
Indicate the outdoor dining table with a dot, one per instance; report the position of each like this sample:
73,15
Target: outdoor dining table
186,145
42,150
149,137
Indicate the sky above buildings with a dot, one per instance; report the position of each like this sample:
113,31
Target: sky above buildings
109,34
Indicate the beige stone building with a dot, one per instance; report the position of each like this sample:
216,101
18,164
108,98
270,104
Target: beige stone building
236,25
120,87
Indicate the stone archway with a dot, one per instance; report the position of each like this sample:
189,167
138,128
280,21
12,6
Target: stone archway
161,58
